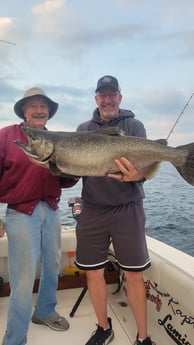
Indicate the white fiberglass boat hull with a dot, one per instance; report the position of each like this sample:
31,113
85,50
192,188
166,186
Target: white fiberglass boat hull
169,284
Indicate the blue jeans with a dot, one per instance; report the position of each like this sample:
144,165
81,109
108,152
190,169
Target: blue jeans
31,239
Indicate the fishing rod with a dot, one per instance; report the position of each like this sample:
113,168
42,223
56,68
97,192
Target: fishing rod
181,113
2,41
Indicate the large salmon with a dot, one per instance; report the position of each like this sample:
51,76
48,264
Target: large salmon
92,153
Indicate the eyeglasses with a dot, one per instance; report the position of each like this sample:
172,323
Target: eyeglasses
109,95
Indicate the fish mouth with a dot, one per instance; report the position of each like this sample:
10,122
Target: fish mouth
45,160
32,155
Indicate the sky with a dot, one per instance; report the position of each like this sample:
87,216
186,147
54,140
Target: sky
65,46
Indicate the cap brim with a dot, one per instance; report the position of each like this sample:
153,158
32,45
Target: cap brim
107,86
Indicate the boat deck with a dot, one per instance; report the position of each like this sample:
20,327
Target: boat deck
82,324
170,299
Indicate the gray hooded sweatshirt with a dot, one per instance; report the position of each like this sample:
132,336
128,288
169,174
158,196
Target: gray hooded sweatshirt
105,191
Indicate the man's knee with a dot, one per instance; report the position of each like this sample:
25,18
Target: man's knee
95,275
133,277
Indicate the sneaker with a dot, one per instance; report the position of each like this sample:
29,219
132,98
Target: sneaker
146,341
101,336
56,322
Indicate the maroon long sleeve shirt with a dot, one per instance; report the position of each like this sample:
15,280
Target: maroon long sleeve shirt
22,183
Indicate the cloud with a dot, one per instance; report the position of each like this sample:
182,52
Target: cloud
60,24
64,46
6,26
50,17
166,99
7,43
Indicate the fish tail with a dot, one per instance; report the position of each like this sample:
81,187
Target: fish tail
187,169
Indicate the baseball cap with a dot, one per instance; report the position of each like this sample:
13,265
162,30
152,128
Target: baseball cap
108,81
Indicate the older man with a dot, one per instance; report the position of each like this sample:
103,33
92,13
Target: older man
32,222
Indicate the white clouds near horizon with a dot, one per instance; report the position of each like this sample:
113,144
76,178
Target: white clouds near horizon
65,46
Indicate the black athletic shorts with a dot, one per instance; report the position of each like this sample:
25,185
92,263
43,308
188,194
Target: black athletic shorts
122,225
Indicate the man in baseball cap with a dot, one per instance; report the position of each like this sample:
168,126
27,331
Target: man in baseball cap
112,211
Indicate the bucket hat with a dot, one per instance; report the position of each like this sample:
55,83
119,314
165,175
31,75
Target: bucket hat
34,91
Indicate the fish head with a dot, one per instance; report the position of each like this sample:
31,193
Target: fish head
39,146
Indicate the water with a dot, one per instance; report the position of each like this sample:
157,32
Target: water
169,208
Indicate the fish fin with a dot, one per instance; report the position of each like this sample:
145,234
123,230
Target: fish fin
162,141
151,170
69,176
187,170
109,131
